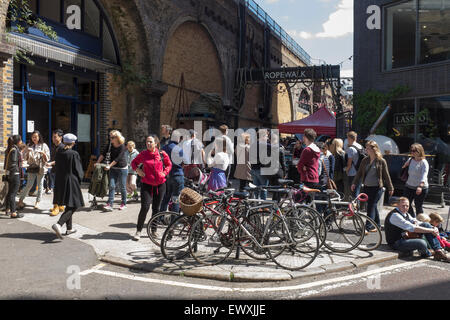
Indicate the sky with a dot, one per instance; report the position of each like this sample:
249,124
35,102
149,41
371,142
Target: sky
323,28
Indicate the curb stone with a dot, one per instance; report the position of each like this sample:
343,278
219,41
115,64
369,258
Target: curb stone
376,259
308,273
337,267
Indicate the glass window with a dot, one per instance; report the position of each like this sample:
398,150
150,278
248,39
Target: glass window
17,79
50,9
400,38
400,125
434,25
91,18
38,79
109,52
64,84
84,89
434,118
76,21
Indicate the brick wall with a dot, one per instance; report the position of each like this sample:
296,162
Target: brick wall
189,51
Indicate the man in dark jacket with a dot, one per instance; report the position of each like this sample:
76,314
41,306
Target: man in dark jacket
69,173
175,181
399,223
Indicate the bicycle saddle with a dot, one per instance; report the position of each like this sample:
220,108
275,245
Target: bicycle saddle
285,181
241,195
309,190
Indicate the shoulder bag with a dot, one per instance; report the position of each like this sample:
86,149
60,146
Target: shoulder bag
404,175
330,183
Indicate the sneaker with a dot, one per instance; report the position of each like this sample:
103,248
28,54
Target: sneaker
69,232
57,228
137,236
108,208
122,207
440,255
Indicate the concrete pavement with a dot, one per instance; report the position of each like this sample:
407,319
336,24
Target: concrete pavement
109,233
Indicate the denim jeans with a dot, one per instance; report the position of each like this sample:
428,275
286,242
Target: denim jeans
31,177
418,200
174,185
117,175
13,188
374,194
260,180
419,244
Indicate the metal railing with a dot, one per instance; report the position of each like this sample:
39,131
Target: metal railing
279,32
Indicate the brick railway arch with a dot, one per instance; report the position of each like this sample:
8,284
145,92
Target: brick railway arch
201,64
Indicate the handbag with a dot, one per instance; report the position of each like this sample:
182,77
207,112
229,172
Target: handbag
404,175
330,183
35,165
411,235
5,176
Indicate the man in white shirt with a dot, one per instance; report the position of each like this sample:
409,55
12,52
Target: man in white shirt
399,223
352,154
193,155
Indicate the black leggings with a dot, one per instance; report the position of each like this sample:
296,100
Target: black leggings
150,195
13,189
66,217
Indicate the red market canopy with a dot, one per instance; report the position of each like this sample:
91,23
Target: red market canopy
322,121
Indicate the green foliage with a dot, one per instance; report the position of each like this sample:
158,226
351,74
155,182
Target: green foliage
132,77
371,104
20,13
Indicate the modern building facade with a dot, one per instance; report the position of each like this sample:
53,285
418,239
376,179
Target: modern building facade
407,43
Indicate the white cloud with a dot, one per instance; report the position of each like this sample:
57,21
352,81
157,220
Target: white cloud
339,23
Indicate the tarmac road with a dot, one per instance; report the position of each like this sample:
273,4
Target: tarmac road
36,265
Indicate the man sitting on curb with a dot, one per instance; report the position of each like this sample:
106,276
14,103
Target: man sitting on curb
398,223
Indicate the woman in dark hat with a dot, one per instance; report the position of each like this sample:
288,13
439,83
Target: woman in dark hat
69,173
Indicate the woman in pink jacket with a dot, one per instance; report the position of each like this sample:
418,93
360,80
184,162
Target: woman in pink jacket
153,166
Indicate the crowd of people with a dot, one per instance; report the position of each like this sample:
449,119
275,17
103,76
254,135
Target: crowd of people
162,167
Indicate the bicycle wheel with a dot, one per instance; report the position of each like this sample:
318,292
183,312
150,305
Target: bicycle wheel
212,239
311,216
372,239
174,242
254,224
158,224
290,241
344,233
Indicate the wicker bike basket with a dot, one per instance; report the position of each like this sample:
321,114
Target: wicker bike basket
191,201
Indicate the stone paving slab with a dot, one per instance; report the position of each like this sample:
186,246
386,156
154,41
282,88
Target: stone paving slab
109,233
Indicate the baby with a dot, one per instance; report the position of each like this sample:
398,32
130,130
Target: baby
435,220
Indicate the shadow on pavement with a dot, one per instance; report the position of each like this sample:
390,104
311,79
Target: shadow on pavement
106,236
46,237
124,225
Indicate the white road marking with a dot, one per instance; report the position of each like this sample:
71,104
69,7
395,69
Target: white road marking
284,288
93,269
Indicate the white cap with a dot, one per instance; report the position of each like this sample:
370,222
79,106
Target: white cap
69,138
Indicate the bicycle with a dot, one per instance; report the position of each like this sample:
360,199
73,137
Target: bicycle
283,237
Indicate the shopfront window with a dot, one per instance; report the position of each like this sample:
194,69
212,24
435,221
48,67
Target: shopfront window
92,19
434,118
38,79
64,84
400,35
401,123
434,22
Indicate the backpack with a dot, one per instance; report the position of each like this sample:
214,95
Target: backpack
361,155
